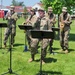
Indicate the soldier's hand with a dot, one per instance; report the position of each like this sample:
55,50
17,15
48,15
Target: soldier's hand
65,22
8,17
15,19
51,21
23,23
38,18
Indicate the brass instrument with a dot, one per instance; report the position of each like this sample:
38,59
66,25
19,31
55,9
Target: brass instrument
28,23
62,26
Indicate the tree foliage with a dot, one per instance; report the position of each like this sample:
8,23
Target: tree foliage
16,3
58,4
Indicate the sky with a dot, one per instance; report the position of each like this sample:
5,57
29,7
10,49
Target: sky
26,2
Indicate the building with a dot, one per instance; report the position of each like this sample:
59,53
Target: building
18,9
37,5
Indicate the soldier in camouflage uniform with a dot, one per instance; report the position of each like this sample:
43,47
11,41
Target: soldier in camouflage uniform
11,18
52,21
30,21
65,21
40,24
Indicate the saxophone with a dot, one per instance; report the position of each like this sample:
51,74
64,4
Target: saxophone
62,24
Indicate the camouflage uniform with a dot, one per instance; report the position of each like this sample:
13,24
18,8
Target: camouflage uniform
40,24
52,21
11,29
30,21
64,33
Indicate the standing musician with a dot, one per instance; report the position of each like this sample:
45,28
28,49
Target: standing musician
40,24
65,21
11,18
52,21
30,21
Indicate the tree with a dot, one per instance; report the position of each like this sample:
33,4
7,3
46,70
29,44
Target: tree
21,4
55,4
16,3
25,12
58,4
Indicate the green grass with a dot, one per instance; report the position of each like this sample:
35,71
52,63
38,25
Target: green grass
58,64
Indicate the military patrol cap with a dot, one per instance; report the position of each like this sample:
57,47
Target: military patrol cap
50,9
41,9
64,9
32,10
12,7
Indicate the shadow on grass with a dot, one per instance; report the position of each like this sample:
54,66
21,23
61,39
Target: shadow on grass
55,48
70,50
49,73
48,60
71,37
18,45
9,72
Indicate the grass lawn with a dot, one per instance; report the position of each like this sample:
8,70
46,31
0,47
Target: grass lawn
58,64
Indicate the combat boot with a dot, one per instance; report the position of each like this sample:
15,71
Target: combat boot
66,51
62,50
32,58
5,45
51,50
12,46
43,62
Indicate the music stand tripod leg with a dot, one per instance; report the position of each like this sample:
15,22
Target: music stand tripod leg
41,59
25,46
1,37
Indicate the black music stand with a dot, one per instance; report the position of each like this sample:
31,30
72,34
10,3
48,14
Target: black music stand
55,28
41,35
2,25
25,27
10,49
51,42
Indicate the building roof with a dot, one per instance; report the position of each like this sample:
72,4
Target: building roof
17,8
21,9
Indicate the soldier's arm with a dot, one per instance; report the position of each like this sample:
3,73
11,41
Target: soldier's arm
35,21
7,16
68,21
54,19
15,16
60,19
48,25
26,21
